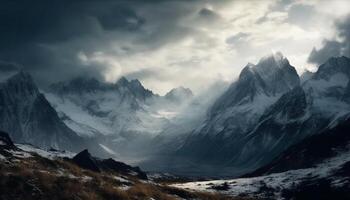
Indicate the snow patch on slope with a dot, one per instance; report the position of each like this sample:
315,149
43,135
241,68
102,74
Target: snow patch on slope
79,120
277,181
50,154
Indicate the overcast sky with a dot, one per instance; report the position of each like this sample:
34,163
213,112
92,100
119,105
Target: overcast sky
167,43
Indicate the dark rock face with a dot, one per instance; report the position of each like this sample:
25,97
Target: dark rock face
83,85
86,161
5,140
28,117
332,66
78,85
317,189
310,151
291,105
6,144
112,165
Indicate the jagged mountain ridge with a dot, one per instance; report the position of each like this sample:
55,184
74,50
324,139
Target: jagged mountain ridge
272,76
313,166
113,108
123,116
238,136
179,94
108,108
26,113
85,160
247,133
83,84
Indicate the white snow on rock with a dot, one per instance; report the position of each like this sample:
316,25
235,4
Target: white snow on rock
276,181
121,179
78,119
19,154
50,154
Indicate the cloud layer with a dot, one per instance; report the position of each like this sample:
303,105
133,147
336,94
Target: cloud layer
166,43
338,46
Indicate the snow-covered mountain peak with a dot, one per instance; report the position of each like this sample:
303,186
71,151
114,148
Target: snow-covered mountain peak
276,59
86,85
136,83
21,84
138,90
179,94
271,68
333,66
272,76
107,108
278,56
78,85
277,74
272,62
122,81
22,76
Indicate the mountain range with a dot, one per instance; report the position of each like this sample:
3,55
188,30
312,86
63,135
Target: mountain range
108,118
260,115
241,128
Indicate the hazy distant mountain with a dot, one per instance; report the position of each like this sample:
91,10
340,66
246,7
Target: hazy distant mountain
28,116
179,94
306,75
83,85
91,107
123,116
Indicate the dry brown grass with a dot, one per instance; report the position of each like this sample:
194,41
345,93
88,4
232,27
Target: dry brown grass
147,191
39,178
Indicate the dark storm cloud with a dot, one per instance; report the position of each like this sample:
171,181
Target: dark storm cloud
208,14
334,47
120,18
45,36
8,67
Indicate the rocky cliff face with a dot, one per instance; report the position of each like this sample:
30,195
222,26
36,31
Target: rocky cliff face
28,116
